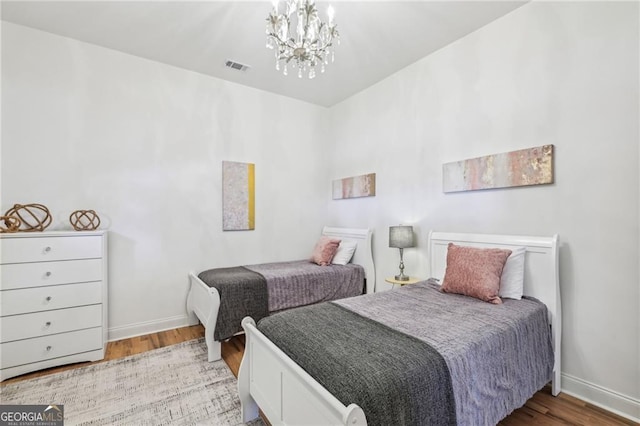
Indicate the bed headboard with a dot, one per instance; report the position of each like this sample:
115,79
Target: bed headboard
363,254
541,279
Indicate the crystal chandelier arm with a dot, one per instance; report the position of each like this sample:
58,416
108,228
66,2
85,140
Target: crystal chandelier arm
309,9
273,33
322,45
280,41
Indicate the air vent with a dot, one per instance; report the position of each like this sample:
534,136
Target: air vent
236,65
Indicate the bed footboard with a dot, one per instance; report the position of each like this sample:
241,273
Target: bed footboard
203,303
285,393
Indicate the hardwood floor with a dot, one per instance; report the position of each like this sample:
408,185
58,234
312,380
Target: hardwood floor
126,347
541,409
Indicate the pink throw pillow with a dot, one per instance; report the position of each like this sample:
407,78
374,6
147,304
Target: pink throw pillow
324,250
475,272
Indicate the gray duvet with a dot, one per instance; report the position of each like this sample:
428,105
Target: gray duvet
396,379
242,293
300,282
257,290
498,355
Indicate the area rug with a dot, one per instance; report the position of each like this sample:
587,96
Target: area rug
174,385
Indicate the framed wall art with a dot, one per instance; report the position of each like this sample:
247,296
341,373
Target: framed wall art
238,196
525,167
354,187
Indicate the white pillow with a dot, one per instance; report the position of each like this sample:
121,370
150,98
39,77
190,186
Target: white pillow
512,279
344,253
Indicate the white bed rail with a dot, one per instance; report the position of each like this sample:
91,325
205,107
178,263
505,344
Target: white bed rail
286,393
203,303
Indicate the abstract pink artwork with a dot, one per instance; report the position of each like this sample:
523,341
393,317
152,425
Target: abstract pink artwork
354,187
531,166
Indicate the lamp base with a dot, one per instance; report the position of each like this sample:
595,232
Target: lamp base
402,277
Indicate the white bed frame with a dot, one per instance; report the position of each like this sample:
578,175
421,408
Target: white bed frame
288,395
203,301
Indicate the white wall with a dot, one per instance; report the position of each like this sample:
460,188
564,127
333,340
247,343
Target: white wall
142,144
548,73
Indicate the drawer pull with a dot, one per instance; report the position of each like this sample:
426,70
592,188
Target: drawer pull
47,324
47,249
48,298
47,274
49,348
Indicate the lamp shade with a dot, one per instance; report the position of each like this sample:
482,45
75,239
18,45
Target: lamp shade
401,236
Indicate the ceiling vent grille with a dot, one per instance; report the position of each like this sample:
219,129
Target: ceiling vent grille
236,65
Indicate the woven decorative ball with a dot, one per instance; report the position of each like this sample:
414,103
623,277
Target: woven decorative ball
33,217
11,224
84,220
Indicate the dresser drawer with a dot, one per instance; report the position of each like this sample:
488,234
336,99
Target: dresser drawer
26,326
47,347
37,299
44,249
24,275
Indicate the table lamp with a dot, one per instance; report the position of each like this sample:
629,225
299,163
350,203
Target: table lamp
401,237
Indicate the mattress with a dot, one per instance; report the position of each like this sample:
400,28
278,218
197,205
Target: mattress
300,282
257,290
497,356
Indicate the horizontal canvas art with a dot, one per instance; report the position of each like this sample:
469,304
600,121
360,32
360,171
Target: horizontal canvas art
238,196
354,187
531,166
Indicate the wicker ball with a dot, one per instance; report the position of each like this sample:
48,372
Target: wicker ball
84,220
33,217
11,224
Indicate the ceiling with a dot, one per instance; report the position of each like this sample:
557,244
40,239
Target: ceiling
378,38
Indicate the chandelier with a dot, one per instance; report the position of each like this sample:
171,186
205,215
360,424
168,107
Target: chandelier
311,44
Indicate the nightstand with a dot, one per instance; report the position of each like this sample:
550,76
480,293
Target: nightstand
412,280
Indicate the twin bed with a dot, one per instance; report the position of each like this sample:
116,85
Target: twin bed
258,290
414,355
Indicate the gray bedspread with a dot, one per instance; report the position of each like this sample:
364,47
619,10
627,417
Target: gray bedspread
257,290
242,293
395,378
498,355
300,282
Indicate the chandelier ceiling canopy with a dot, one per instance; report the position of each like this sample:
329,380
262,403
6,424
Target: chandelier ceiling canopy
300,39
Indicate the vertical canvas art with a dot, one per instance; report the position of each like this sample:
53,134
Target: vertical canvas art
354,187
238,196
531,166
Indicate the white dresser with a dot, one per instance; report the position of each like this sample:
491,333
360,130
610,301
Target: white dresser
53,299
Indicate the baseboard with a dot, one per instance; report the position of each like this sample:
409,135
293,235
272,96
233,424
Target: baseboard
615,402
148,327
